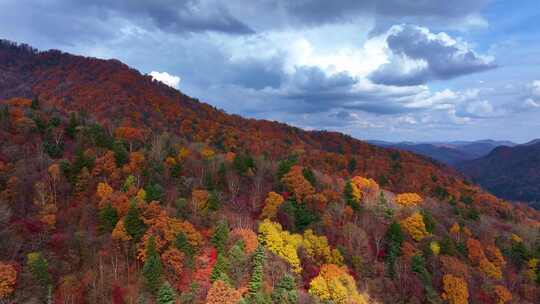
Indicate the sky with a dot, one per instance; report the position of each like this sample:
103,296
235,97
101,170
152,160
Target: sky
395,70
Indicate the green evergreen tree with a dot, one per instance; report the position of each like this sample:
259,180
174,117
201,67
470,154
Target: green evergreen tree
285,166
394,238
309,176
35,103
221,236
418,265
166,294
257,274
285,291
121,154
152,268
39,267
237,260
348,196
154,192
351,166
213,201
221,267
71,128
181,243
135,227
108,217
448,247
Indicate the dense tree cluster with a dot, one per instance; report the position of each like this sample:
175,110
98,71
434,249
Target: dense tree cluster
114,188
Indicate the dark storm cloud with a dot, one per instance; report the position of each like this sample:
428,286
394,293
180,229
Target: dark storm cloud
324,11
439,59
178,16
256,74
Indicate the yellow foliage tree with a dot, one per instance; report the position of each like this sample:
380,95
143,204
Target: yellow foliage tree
318,249
281,242
334,284
435,247
408,199
8,278
271,205
455,290
104,190
415,226
531,272
367,187
207,153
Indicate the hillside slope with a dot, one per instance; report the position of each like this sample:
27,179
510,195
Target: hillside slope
117,189
116,95
509,172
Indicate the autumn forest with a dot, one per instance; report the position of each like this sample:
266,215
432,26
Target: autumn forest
115,188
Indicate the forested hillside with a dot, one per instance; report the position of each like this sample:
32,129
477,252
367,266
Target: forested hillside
115,188
509,172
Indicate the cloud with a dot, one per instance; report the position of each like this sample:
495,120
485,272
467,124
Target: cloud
317,12
535,88
166,78
419,56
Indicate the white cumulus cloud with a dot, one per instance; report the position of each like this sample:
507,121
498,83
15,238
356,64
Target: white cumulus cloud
166,78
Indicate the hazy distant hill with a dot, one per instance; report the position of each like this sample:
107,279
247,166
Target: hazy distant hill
509,172
451,153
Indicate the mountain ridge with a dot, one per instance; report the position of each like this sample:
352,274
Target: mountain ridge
109,88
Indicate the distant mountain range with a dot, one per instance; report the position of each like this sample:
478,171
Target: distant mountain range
509,172
451,153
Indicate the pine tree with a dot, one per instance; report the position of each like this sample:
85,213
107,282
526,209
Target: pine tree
71,128
257,275
121,154
39,268
285,291
35,103
221,267
237,259
221,236
108,217
181,243
349,197
166,295
152,268
394,238
213,201
133,223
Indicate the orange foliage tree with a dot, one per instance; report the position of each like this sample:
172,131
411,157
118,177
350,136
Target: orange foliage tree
221,293
248,236
8,278
478,258
104,190
503,295
297,183
173,259
271,205
455,290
